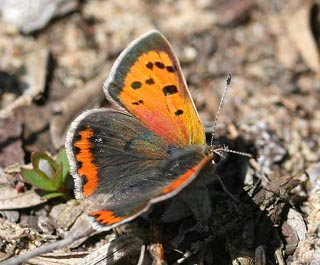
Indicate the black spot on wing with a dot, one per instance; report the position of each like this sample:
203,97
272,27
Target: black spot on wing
79,164
169,90
170,69
76,149
149,65
150,81
179,112
160,65
84,180
137,102
136,85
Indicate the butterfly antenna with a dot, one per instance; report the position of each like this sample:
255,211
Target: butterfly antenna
220,106
221,151
238,153
224,149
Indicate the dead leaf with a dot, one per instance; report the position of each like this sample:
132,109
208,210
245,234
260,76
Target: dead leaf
11,231
10,199
234,12
116,252
10,142
299,25
33,80
59,257
66,214
82,98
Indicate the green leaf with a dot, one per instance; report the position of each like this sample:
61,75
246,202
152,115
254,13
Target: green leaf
49,175
62,159
57,180
53,195
38,179
43,162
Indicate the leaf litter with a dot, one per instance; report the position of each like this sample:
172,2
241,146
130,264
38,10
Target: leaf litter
270,47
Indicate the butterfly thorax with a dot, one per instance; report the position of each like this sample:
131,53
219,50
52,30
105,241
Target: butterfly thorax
184,159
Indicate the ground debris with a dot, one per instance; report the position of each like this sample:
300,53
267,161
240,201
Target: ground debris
263,212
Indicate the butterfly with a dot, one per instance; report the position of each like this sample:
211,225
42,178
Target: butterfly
148,150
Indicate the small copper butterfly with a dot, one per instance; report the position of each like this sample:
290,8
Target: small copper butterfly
150,149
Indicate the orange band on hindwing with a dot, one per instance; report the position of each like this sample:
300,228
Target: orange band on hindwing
106,217
87,169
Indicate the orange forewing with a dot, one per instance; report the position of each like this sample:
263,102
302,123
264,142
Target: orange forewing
154,91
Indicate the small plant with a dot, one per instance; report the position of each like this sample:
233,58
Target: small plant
49,175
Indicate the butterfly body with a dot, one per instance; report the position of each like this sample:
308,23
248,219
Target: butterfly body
150,149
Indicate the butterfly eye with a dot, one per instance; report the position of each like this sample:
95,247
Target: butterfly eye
218,152
216,158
